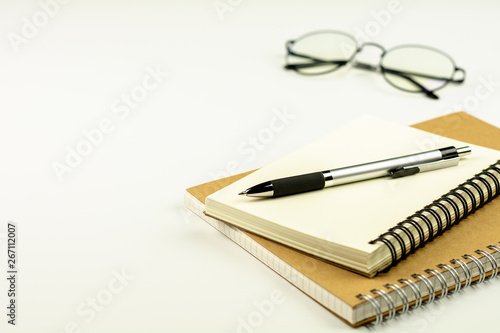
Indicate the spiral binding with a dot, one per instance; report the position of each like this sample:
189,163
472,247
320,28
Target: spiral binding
396,300
447,211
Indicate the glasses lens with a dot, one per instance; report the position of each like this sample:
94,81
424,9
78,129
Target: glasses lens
320,52
417,68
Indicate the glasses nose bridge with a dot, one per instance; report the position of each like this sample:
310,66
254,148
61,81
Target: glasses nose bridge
374,66
378,46
362,46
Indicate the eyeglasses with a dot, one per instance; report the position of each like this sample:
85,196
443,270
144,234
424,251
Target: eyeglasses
412,68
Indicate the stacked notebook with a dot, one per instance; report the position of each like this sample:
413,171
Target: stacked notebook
453,212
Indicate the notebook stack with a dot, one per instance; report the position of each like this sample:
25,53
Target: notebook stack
369,250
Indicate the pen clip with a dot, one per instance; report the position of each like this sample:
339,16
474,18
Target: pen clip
413,169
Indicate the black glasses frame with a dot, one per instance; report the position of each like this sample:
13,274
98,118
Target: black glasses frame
379,68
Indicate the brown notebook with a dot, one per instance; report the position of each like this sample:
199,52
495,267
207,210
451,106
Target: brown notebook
431,272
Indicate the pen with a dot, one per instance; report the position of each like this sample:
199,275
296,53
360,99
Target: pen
394,167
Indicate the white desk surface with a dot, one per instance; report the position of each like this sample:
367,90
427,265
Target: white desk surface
104,241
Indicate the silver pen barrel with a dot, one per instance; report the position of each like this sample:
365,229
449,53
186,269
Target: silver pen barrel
383,168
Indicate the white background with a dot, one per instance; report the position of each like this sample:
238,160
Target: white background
118,210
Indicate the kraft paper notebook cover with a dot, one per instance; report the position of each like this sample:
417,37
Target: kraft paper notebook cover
355,225
357,299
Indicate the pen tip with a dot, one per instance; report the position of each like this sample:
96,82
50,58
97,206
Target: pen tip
243,193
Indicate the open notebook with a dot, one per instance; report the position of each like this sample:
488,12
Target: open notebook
366,226
357,299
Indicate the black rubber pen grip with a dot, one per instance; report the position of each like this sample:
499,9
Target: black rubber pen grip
298,184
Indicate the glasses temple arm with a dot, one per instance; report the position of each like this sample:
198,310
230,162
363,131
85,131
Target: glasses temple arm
403,75
396,72
290,52
316,62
